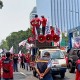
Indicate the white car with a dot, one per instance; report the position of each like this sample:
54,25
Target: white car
58,61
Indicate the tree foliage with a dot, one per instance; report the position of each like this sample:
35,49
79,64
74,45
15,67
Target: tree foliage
15,38
65,38
4,44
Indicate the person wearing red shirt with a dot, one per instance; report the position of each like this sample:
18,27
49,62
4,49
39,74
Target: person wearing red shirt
3,58
36,22
28,61
7,67
44,22
78,66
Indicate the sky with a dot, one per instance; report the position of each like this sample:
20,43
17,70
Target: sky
14,16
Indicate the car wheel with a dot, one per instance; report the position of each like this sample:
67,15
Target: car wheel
71,68
62,74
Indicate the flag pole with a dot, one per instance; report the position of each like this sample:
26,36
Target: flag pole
52,12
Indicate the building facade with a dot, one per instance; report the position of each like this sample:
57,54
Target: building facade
64,14
33,13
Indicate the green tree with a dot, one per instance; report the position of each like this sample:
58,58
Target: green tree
65,38
4,44
16,37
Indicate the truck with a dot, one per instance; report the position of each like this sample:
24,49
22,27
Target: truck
35,53
58,62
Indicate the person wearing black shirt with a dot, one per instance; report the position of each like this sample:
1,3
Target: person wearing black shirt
15,61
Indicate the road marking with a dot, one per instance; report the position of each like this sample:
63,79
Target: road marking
23,73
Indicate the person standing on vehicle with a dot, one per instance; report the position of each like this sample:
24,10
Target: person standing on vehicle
7,67
43,68
36,22
78,67
43,22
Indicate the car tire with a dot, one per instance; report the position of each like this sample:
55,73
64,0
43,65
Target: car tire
71,68
62,74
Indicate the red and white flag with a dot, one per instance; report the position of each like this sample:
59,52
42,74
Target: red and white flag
60,36
11,50
19,54
57,31
47,30
28,46
56,43
22,43
76,44
36,34
1,50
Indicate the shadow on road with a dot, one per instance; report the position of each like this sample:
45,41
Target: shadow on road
57,77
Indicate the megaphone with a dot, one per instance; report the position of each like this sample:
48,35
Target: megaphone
56,38
41,38
49,38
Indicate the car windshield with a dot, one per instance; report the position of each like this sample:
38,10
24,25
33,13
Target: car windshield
57,55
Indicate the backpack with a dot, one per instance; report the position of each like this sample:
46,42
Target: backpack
78,67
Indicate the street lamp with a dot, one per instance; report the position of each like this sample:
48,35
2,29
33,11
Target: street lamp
1,4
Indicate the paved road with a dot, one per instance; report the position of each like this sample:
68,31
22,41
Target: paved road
68,76
27,75
24,75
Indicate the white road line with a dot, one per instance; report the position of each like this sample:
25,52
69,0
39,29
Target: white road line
23,73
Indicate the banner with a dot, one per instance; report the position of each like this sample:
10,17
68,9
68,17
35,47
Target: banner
76,42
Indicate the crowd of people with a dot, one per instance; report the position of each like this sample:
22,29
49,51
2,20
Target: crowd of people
9,63
25,60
